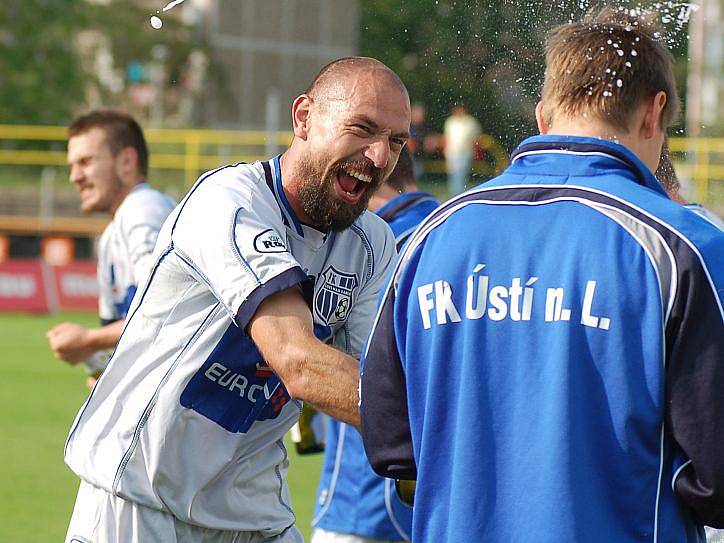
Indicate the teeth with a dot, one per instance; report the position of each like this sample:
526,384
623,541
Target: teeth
359,175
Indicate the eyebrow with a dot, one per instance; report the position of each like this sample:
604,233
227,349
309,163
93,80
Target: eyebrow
375,126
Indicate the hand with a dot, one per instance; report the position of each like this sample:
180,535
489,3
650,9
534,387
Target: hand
71,342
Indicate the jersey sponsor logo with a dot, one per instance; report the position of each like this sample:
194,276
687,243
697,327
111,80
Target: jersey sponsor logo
235,387
269,242
333,300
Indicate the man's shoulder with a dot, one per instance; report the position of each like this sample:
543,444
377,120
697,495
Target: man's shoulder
233,184
146,197
372,226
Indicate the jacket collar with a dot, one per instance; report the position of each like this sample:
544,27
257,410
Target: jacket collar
592,147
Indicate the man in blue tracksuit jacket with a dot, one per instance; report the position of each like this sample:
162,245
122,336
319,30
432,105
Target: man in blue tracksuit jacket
352,499
547,358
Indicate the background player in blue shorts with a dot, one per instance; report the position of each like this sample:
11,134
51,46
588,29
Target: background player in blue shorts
546,361
355,505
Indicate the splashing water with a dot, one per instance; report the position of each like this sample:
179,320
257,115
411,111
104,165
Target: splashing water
155,21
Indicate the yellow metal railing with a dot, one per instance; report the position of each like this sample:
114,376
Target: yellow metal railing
699,161
191,151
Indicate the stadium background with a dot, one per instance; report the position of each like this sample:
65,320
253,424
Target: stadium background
212,86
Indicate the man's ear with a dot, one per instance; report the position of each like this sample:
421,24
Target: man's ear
652,121
301,109
543,127
127,163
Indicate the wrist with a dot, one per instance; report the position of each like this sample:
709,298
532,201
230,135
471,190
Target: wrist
93,338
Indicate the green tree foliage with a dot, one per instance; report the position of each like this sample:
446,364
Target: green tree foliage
487,55
44,80
40,76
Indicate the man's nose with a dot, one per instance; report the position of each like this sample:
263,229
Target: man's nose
379,152
76,174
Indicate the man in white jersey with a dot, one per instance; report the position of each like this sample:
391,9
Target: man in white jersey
108,160
182,437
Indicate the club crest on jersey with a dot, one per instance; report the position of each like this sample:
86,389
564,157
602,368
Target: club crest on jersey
269,242
333,300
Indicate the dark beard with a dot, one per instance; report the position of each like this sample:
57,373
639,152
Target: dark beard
319,200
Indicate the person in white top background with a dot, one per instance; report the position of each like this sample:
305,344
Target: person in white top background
461,130
108,160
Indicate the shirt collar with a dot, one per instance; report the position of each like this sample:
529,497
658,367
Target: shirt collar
273,174
579,146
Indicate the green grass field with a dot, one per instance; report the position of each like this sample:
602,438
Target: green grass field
39,397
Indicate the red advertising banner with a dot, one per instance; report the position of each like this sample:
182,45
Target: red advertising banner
76,285
33,285
24,286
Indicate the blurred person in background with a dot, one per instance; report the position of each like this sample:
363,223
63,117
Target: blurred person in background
420,131
461,130
108,160
354,504
547,359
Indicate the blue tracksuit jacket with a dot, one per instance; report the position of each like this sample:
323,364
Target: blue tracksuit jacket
353,499
547,359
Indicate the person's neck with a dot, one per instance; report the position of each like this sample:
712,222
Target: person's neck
127,188
588,129
591,128
292,183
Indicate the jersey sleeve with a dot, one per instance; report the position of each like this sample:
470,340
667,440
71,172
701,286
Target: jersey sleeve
695,385
141,225
359,323
385,424
234,244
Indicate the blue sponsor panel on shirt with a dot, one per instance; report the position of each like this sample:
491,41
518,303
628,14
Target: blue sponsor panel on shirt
235,387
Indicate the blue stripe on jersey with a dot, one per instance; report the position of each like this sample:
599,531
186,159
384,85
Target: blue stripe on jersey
281,197
368,247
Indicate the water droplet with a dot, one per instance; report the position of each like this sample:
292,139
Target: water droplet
156,22
620,53
633,52
628,64
619,83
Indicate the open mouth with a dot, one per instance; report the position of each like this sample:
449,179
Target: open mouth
352,182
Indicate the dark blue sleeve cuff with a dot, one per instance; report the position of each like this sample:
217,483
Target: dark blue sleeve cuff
286,279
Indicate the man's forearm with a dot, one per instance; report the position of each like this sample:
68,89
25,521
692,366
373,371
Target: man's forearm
311,371
329,380
106,337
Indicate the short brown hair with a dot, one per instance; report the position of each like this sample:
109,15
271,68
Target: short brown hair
605,67
121,131
404,173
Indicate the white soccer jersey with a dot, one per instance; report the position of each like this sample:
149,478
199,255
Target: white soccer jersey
188,418
125,249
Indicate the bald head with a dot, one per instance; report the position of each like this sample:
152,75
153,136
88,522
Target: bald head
332,81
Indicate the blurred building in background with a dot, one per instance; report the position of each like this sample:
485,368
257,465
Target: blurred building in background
267,52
